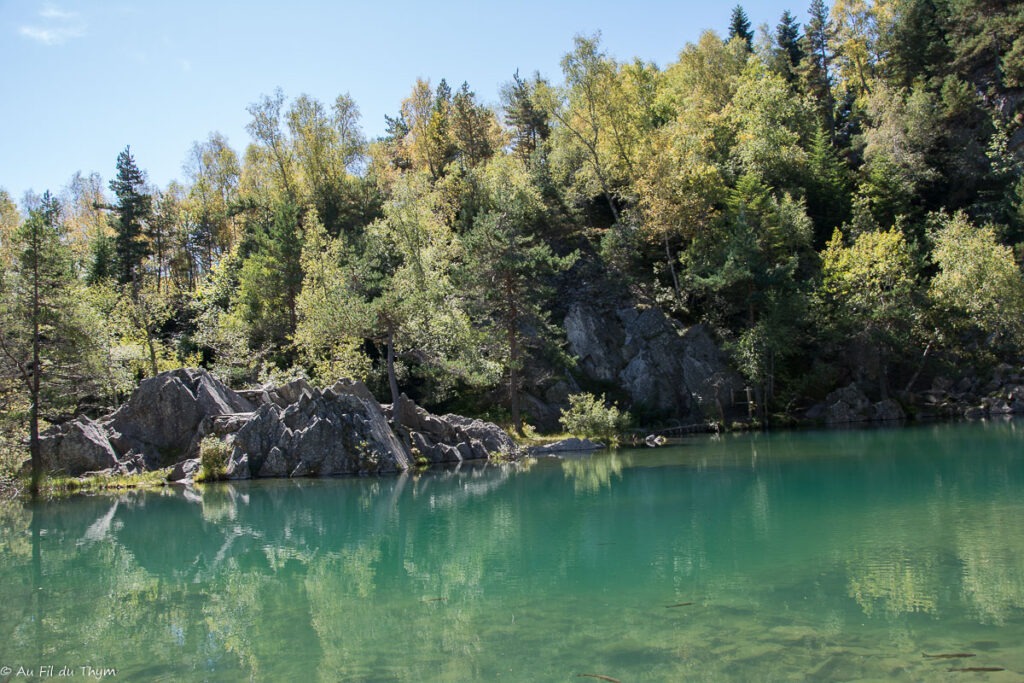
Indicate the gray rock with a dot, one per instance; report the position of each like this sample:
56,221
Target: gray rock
184,470
667,369
168,415
77,447
321,434
847,405
887,410
287,394
448,438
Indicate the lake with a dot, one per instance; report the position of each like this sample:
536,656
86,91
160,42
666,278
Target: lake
823,556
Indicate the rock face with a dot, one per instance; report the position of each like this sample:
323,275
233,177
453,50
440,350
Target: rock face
329,432
447,438
169,414
669,370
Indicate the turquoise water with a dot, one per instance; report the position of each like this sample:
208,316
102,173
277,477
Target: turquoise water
822,556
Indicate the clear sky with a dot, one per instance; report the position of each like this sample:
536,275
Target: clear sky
82,79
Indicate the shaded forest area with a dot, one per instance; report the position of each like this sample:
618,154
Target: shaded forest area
839,200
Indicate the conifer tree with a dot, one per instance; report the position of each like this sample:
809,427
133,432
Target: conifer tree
43,340
739,27
133,210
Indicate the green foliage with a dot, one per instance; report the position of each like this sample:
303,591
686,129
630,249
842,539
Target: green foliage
978,289
437,256
588,416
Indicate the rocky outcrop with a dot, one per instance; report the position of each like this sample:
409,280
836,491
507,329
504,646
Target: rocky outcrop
850,405
329,432
169,414
447,438
288,431
666,369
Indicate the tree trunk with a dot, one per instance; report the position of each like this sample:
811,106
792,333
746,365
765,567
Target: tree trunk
672,268
513,381
34,384
392,380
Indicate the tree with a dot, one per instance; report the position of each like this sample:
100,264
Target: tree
215,173
739,27
9,222
978,290
270,278
589,75
526,117
816,69
770,126
905,128
505,271
132,210
868,297
917,44
787,52
272,146
43,336
855,43
332,316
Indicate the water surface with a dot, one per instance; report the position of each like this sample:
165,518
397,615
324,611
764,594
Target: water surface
825,556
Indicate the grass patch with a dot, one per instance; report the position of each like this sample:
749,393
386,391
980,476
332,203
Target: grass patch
64,486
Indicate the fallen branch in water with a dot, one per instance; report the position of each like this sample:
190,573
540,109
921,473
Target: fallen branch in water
971,669
952,655
679,604
599,677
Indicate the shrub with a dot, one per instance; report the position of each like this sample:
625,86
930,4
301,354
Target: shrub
589,417
213,459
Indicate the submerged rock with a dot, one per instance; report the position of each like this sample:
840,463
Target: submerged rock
571,445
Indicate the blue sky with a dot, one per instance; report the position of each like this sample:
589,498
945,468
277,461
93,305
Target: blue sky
80,80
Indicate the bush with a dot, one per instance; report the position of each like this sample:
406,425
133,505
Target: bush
213,459
588,417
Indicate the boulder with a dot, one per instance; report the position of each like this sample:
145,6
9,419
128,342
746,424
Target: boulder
322,433
168,415
887,410
77,447
847,405
184,470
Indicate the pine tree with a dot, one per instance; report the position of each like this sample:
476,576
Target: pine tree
133,210
529,122
787,41
43,341
504,274
816,68
739,27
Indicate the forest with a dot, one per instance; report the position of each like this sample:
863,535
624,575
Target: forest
837,200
